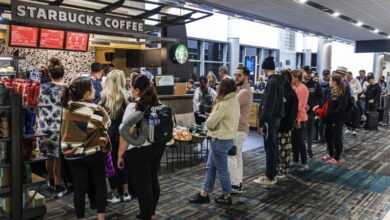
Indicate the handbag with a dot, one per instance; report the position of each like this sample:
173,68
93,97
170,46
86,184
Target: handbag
322,111
110,169
233,151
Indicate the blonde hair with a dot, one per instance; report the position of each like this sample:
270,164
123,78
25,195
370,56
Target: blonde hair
298,73
214,81
114,94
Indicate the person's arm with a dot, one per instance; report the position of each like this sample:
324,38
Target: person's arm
196,101
303,96
215,117
359,88
319,95
132,121
269,102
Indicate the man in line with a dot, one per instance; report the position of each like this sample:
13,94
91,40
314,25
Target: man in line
97,78
245,98
315,99
271,114
353,119
223,72
325,88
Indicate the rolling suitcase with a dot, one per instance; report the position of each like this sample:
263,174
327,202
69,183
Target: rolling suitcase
372,121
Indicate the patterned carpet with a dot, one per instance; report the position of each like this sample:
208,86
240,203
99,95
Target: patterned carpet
357,189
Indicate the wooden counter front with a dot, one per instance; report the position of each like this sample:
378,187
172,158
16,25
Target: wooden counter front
253,119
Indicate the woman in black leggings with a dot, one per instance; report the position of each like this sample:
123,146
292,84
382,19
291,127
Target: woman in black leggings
142,157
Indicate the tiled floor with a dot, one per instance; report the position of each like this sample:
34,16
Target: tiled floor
357,189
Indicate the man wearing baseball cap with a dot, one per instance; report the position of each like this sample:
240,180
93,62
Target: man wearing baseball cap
315,100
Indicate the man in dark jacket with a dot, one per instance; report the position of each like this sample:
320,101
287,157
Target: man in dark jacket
373,94
271,114
315,100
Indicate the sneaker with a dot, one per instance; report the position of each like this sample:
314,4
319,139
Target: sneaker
263,180
115,199
199,199
224,200
333,162
238,189
294,164
59,191
50,184
126,197
281,176
354,133
327,157
303,168
381,123
347,131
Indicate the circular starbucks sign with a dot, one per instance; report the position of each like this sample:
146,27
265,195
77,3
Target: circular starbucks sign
181,53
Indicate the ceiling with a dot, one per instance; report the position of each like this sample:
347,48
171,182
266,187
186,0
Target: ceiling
291,13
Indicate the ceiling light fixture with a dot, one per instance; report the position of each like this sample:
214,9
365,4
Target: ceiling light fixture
302,1
376,31
336,14
388,36
359,23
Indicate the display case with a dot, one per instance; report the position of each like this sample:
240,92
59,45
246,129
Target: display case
13,66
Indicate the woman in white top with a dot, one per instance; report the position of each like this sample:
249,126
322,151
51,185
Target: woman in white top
203,100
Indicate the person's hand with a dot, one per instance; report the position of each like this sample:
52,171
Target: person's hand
307,107
371,101
132,130
260,131
121,163
297,124
315,108
362,96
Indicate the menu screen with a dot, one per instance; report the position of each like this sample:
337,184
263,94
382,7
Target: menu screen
24,36
52,39
77,41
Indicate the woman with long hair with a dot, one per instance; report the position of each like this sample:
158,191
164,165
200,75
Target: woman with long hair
212,80
84,141
201,102
142,157
222,125
335,118
297,136
49,122
286,125
114,99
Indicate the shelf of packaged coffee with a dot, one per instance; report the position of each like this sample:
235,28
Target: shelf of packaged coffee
35,213
35,159
35,181
2,165
36,135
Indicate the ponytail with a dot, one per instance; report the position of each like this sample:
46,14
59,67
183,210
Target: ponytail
65,97
148,99
75,91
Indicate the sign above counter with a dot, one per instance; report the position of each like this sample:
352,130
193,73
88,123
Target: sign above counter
54,16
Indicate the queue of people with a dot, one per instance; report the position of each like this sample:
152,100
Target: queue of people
100,128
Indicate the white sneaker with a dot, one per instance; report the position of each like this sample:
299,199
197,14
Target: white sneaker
263,180
347,131
354,133
114,199
303,168
280,177
126,197
294,164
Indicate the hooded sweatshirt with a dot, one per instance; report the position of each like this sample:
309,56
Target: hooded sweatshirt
223,120
290,109
272,106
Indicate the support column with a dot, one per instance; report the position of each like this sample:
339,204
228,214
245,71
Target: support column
234,45
324,55
306,51
379,59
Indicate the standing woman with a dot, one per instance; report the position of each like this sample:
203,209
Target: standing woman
286,125
142,157
334,119
83,142
212,80
222,125
114,100
298,144
49,122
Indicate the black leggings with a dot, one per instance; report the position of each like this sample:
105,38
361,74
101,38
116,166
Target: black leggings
120,178
298,144
144,164
334,140
95,167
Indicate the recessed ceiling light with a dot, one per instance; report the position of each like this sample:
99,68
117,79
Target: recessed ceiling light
302,1
216,10
336,14
388,36
359,23
376,31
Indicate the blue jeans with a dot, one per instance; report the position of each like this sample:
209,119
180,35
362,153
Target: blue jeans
271,148
217,163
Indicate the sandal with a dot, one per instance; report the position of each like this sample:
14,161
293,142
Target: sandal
224,200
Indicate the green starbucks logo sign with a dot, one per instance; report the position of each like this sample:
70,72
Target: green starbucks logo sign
181,53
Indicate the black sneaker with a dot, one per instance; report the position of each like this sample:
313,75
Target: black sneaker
199,199
310,154
59,191
50,185
238,189
224,200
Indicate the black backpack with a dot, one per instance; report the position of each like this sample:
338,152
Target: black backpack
160,125
206,102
